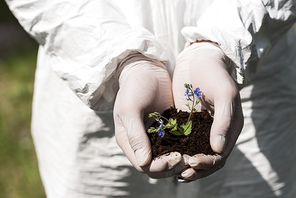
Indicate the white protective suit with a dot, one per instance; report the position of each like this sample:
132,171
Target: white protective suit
83,42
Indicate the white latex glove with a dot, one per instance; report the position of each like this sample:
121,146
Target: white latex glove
145,87
204,65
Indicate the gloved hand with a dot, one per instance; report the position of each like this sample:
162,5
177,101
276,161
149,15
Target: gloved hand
145,87
204,65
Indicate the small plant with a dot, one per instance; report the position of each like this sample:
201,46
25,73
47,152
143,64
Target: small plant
172,126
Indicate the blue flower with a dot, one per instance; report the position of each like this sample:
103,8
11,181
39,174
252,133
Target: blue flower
187,93
197,92
160,132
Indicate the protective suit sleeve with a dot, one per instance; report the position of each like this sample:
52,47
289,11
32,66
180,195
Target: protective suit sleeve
245,30
86,42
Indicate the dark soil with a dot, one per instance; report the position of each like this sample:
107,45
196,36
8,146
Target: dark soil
196,142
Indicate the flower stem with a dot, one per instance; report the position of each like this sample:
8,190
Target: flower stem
160,116
191,110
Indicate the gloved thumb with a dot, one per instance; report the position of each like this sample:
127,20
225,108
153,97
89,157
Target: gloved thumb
220,127
138,140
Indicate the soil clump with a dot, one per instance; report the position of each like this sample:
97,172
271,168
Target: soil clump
195,143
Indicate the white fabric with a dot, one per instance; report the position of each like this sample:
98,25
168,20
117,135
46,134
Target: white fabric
83,42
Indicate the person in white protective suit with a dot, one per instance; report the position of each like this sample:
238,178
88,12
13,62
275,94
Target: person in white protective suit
118,56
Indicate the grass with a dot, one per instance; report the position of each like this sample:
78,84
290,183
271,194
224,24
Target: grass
19,175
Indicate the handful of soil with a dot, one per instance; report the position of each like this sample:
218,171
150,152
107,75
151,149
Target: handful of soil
198,141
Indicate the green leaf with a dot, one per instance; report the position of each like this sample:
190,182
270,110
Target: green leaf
152,130
176,132
171,125
172,121
186,128
187,105
153,115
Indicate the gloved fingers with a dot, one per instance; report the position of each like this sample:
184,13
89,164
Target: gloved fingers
135,145
161,167
235,128
129,127
201,166
219,97
197,174
163,163
175,168
186,175
204,162
221,124
227,125
130,131
204,165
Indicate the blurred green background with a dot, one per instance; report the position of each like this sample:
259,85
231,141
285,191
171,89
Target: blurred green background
19,175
